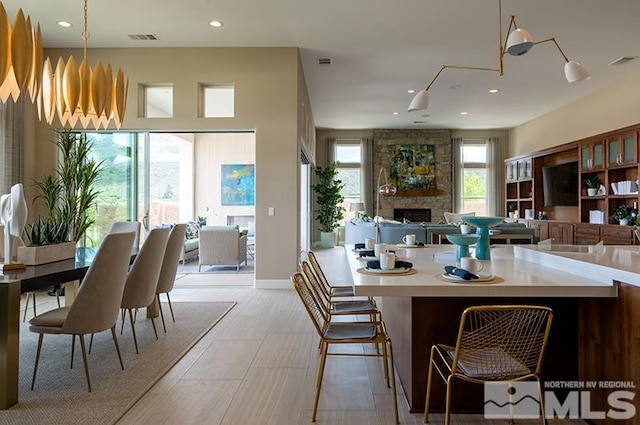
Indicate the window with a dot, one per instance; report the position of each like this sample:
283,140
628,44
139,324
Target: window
217,101
158,102
473,172
349,156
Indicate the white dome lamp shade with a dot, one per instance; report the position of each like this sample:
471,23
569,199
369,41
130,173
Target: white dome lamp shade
420,101
574,71
519,42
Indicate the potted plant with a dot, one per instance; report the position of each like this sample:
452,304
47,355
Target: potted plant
202,221
69,199
329,212
621,214
592,185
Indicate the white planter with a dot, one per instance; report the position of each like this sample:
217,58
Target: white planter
592,191
35,255
623,222
328,239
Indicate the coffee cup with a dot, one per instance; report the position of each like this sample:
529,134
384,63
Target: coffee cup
409,239
369,243
387,261
471,264
379,248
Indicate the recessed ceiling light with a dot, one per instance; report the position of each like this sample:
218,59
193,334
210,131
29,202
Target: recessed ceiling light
411,91
65,24
216,24
494,91
463,113
395,113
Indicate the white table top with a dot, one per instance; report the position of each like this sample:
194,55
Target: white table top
515,276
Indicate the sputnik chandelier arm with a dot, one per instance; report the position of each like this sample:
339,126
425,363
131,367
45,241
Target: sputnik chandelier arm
386,190
516,43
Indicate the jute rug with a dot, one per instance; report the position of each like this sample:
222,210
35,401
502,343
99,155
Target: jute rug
60,395
192,267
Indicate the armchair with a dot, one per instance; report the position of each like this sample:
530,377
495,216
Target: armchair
221,246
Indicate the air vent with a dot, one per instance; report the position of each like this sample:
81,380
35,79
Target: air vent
623,60
421,122
144,37
324,61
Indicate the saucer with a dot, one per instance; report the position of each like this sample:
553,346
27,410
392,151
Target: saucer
482,277
404,245
390,271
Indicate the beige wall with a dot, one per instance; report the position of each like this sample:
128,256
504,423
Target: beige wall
267,85
614,107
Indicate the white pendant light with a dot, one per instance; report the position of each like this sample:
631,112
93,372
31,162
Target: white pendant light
420,101
519,42
574,71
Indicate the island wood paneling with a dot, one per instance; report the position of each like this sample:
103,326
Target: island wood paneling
414,324
610,345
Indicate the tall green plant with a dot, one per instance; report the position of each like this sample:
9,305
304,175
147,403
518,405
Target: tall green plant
68,195
328,197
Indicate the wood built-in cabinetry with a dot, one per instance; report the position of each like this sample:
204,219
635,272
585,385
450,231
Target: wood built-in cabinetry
519,186
612,157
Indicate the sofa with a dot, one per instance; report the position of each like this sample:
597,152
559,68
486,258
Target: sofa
222,246
191,242
357,230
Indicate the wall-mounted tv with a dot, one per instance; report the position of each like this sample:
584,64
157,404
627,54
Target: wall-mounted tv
560,184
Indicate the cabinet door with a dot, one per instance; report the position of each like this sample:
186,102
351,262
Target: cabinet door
562,233
524,169
629,152
512,171
614,151
541,229
592,155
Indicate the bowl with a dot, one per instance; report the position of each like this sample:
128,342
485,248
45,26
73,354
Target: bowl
483,221
463,239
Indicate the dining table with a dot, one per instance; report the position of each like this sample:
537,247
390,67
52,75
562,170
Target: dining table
421,305
13,283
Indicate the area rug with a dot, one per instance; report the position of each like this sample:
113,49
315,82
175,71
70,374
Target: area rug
60,395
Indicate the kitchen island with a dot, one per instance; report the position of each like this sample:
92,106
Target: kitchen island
424,308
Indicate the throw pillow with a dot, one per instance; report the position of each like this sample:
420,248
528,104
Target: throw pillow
452,218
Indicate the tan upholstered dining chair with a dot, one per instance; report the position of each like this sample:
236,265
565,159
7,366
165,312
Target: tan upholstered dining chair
334,333
170,267
142,280
503,343
127,226
97,302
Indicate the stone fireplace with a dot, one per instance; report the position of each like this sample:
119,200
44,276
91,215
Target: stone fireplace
414,215
436,204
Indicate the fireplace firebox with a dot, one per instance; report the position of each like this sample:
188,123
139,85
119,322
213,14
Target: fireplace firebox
412,214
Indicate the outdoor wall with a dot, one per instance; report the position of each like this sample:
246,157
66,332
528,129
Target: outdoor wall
613,107
266,84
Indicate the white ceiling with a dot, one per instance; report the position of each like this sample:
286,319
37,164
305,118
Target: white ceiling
382,48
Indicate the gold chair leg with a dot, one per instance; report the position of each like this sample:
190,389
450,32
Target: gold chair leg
171,308
447,410
541,395
133,330
84,360
73,347
164,328
429,377
115,341
155,331
393,383
35,367
26,305
385,364
323,359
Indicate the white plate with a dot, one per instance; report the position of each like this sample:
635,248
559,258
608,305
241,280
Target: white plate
404,245
392,271
482,277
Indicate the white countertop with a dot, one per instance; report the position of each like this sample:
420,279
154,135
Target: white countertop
521,275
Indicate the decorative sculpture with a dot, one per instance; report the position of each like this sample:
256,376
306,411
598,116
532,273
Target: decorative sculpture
13,215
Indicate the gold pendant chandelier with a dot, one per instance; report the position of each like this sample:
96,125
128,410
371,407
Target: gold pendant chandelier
80,93
20,57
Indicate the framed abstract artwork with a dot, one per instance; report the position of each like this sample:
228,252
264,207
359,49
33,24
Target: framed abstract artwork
413,169
237,184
